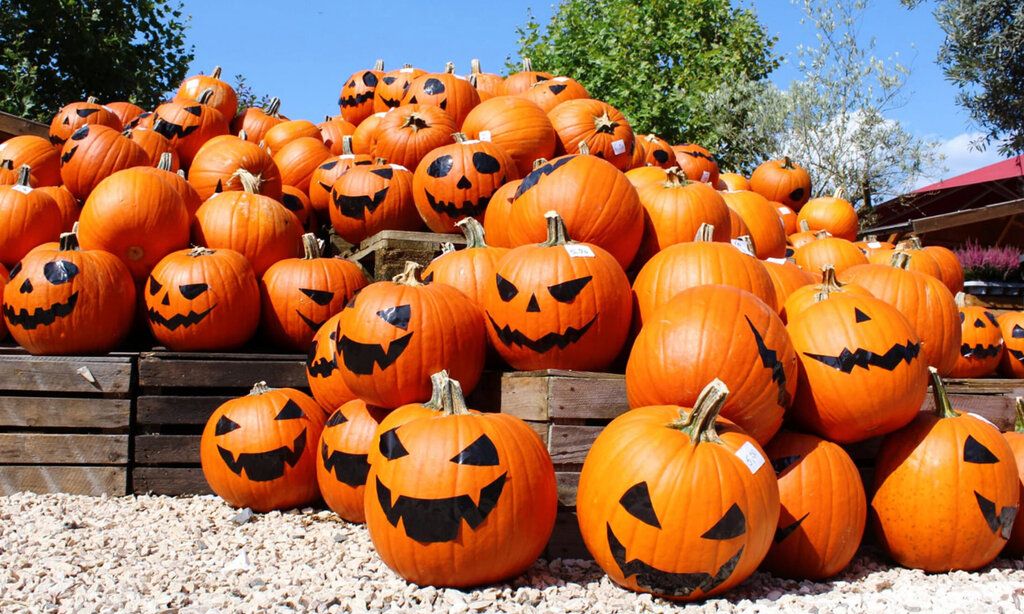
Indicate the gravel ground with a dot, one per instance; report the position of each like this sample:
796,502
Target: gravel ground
195,554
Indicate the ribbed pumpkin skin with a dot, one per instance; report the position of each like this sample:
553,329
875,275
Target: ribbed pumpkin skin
833,214
222,97
298,159
77,114
325,380
788,217
689,497
549,93
518,525
687,265
189,125
596,201
188,194
762,220
453,94
155,145
469,270
255,122
192,282
287,131
388,186
604,129
28,218
951,271
695,161
364,139
1011,326
782,181
716,331
738,228
258,227
644,176
213,169
296,201
515,124
356,97
734,182
330,170
674,211
840,253
519,82
821,492
101,313
333,132
94,153
925,509
496,216
137,216
924,301
392,88
1015,545
349,430
260,432
411,131
125,111
4,276
488,85
823,403
66,203
981,343
920,261
655,151
787,277
38,154
804,297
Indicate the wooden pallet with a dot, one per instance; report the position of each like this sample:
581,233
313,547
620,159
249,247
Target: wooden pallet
177,393
64,423
384,254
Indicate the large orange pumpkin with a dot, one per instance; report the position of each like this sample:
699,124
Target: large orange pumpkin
488,85
787,278
36,153
452,93
981,341
356,97
808,295
410,132
782,181
831,213
155,145
69,206
471,269
190,124
549,93
217,164
298,159
1011,325
498,211
341,466
516,125
71,117
287,131
221,97
392,87
322,374
370,198
188,194
28,217
697,162
255,122
1015,545
321,182
675,210
519,82
839,253
364,139
601,126
762,220
94,153
125,111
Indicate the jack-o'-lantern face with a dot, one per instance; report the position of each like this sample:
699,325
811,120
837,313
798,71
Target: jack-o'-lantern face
349,468
342,466
356,98
318,364
273,455
46,295
981,343
999,518
543,299
392,88
393,332
1011,324
192,306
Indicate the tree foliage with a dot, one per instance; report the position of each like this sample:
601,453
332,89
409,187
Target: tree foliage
658,62
57,51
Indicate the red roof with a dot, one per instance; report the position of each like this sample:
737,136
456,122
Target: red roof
1006,169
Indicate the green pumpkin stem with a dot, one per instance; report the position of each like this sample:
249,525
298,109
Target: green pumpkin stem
24,174
943,409
705,233
699,424
310,246
69,241
447,394
474,232
1018,424
408,276
250,183
273,107
216,72
557,233
259,388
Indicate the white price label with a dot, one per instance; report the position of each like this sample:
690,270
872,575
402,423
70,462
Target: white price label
776,260
982,418
618,146
874,245
784,210
399,167
485,135
705,177
24,189
743,246
579,250
750,457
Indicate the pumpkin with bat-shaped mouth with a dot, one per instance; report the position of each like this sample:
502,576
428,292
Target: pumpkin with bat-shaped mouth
393,334
846,342
452,93
259,451
341,467
300,294
946,490
77,114
393,85
824,508
457,181
697,162
451,489
356,98
1011,325
655,512
201,299
325,380
981,342
561,304
370,198
68,301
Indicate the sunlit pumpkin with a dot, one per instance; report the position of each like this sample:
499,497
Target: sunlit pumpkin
341,466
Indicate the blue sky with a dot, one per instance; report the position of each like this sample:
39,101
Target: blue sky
303,50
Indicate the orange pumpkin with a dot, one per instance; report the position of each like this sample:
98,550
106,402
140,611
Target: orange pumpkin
287,131
410,132
221,97
831,213
255,122
71,117
322,180
188,194
734,182
325,380
519,82
808,295
675,210
469,270
840,253
602,127
370,198
392,87
364,139
333,131
127,112
356,97
788,217
217,165
298,159
155,145
190,124
549,93
981,343
697,162
787,278
296,201
516,125
871,244
655,151
94,153
341,467
1015,545
488,85
1011,326
69,206
36,153
762,220
28,217
643,176
782,181
498,211
452,93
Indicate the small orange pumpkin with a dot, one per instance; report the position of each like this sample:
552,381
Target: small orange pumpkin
92,154
370,198
488,85
298,159
28,217
255,122
549,93
471,269
392,87
675,210
981,344
221,97
519,82
342,466
325,380
697,162
831,213
601,126
452,93
1011,325
36,153
410,132
782,181
356,97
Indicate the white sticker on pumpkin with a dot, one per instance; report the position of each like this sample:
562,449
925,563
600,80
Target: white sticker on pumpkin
485,135
743,246
24,189
398,166
618,147
406,69
750,457
982,418
579,250
776,260
874,245
784,210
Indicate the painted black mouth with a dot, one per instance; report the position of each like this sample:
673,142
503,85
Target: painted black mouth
980,351
770,360
359,358
1018,354
350,469
847,360
265,466
551,340
67,155
356,207
467,208
666,582
1001,523
40,317
173,131
431,521
535,176
312,324
319,367
355,100
178,320
391,102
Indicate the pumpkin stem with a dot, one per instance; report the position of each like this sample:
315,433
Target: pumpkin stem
605,124
943,409
250,183
310,246
675,177
804,226
911,243
460,137
242,134
447,247
651,138
829,284
216,72
473,81
259,388
205,96
69,241
539,162
273,106
871,239
92,99
1018,424
584,148
557,234
24,173
449,68
900,260
415,121
822,234
379,161
379,64
699,424
166,162
746,245
474,66
705,233
838,194
198,251
447,395
787,163
346,145
408,276
474,232
961,299
527,65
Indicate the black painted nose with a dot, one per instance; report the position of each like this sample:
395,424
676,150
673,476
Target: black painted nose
167,299
26,287
533,306
464,183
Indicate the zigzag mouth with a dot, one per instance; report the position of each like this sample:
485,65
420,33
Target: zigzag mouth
40,317
391,102
508,336
980,351
451,209
865,359
355,100
1018,354
312,324
172,131
265,466
438,520
349,469
359,358
178,320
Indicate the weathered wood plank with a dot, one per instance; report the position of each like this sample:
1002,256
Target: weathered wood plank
60,374
525,397
568,482
1010,387
94,481
37,412
16,126
566,541
166,410
998,410
405,238
570,444
242,374
590,398
542,429
70,449
169,481
167,449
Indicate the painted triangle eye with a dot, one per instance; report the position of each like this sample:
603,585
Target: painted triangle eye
480,453
637,501
320,297
859,316
979,323
991,318
976,452
225,425
733,524
154,286
191,291
389,80
336,419
290,411
567,291
369,79
433,87
506,289
390,446
396,316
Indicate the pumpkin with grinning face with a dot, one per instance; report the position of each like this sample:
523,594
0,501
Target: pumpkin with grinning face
341,466
356,97
370,198
981,343
1011,324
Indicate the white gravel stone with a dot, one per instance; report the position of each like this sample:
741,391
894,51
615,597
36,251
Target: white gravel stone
63,553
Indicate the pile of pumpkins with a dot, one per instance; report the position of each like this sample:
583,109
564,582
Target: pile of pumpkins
733,305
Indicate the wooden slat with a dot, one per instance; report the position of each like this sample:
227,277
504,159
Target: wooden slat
542,429
956,219
569,444
166,410
71,449
174,373
170,481
404,238
58,374
95,481
166,449
1012,387
525,397
566,541
568,482
36,412
17,126
563,395
998,410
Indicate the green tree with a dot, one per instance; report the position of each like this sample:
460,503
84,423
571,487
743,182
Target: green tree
53,52
983,55
658,62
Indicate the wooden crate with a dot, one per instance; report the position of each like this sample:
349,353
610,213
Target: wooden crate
384,254
177,393
64,423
